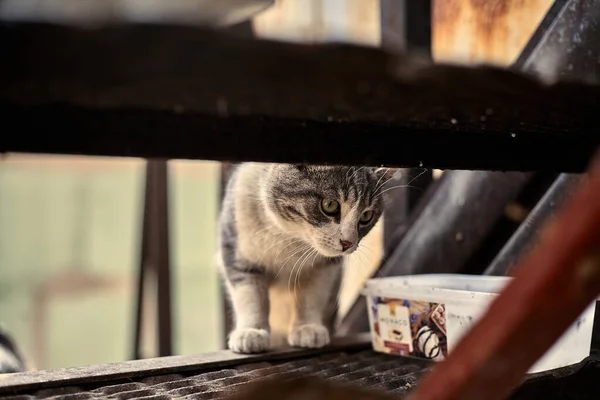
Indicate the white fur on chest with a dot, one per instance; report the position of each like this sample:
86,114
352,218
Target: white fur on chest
283,256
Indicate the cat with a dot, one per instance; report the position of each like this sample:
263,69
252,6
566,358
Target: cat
285,230
11,360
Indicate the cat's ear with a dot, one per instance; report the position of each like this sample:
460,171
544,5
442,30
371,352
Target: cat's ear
386,173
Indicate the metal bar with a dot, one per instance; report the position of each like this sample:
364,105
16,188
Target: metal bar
456,216
522,240
159,246
226,169
104,89
144,263
418,25
565,45
155,266
405,25
138,369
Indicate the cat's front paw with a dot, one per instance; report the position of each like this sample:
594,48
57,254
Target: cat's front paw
309,335
249,340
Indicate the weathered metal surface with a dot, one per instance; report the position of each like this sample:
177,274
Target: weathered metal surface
305,388
568,46
138,369
165,92
577,383
524,238
484,31
216,375
552,286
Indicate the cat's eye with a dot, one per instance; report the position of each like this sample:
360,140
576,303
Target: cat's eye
330,207
366,217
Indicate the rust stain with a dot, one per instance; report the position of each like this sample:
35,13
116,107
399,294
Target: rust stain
495,7
488,31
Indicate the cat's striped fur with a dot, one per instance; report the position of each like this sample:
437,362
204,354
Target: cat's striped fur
277,241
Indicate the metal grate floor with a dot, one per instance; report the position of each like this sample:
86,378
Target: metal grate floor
364,368
355,366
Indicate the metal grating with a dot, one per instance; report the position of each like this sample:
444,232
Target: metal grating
363,368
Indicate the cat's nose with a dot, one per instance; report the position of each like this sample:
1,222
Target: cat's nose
345,244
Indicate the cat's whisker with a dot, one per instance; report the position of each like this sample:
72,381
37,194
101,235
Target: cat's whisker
299,249
287,259
292,273
418,176
377,188
356,172
360,255
299,273
296,240
363,245
314,258
396,187
408,185
264,229
381,177
276,242
370,253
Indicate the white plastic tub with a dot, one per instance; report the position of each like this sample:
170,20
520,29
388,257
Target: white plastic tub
426,315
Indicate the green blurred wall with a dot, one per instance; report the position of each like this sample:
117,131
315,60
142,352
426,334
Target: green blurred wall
81,217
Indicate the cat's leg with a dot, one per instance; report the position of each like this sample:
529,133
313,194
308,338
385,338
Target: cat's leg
314,300
249,293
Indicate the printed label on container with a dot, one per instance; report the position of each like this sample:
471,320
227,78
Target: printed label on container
394,328
409,328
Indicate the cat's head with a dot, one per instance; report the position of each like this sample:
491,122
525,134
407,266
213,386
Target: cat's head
330,207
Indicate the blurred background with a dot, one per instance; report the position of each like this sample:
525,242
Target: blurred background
71,226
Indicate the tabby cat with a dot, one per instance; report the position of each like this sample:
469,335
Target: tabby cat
284,231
